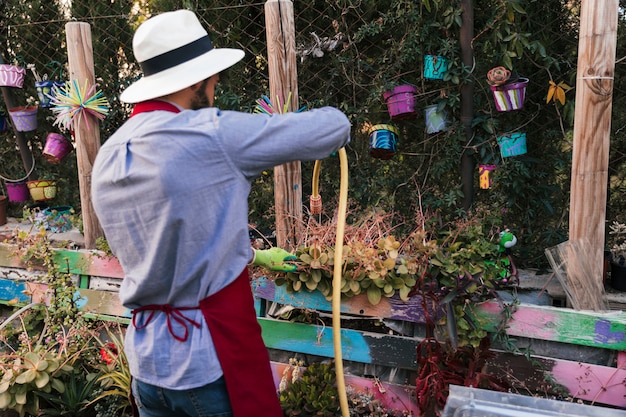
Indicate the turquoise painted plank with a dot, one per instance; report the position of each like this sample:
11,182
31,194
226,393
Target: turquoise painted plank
13,291
392,308
358,346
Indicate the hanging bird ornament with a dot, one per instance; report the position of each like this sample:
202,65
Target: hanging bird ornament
71,102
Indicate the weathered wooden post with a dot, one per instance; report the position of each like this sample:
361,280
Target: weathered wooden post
87,129
281,57
467,103
592,124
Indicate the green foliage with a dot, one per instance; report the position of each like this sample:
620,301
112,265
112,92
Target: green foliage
312,395
376,270
115,375
379,44
457,265
51,362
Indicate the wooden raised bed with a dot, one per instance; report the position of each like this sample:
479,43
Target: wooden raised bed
585,353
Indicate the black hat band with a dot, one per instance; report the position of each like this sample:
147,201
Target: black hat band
176,56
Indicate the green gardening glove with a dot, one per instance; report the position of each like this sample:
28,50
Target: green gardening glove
274,259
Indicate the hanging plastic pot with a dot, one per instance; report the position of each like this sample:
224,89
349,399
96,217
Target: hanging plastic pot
435,66
12,75
24,118
510,96
45,91
56,148
17,191
383,140
513,144
4,122
59,218
401,102
42,190
435,120
485,178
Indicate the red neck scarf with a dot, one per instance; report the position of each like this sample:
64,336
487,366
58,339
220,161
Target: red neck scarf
153,105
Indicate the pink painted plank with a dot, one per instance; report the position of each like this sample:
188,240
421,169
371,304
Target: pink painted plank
593,383
394,397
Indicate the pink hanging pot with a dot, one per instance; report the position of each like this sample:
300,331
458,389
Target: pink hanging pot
401,102
17,191
56,148
12,75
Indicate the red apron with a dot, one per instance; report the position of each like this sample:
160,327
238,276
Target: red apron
236,333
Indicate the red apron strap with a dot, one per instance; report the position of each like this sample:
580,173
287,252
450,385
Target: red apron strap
236,334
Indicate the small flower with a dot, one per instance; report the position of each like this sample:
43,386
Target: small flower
105,353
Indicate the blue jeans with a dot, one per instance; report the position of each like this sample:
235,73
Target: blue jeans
208,401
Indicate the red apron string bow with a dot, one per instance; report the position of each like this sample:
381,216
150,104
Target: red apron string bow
172,313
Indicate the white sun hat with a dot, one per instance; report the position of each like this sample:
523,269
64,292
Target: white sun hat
174,52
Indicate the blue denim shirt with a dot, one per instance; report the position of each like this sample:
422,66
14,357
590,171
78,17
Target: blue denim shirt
171,193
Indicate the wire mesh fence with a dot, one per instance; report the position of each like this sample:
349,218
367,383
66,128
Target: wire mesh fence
349,53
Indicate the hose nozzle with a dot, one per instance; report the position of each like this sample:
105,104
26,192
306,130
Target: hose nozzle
316,204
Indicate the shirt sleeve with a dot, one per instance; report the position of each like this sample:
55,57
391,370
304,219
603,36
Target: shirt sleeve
256,142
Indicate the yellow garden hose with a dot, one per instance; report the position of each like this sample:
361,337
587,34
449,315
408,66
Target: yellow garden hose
337,273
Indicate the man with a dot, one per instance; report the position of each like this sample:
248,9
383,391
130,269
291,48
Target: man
170,189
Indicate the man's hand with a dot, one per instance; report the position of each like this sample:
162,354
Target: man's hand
274,259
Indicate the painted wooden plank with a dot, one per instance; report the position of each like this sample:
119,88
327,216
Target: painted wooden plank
586,328
595,384
102,303
392,308
358,346
397,398
80,262
13,292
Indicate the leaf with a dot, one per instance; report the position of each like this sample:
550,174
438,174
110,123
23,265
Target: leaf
42,379
404,293
374,295
5,400
20,397
41,365
31,359
26,377
560,95
311,285
389,263
58,385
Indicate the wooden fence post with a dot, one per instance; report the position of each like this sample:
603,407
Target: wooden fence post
281,57
592,126
87,129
